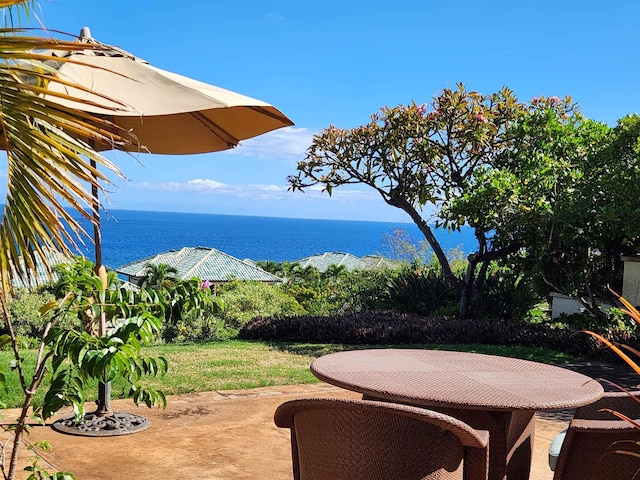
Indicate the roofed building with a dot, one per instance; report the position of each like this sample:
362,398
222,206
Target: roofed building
322,261
199,262
377,262
43,275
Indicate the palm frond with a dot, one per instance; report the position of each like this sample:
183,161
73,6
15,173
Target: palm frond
51,162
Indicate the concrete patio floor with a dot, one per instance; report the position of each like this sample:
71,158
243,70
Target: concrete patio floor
225,435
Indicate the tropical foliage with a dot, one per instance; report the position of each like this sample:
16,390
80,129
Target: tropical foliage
565,192
24,309
72,354
49,167
246,300
133,318
191,313
620,349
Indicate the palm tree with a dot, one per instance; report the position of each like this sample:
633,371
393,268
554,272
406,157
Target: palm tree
308,274
334,271
48,169
159,276
269,266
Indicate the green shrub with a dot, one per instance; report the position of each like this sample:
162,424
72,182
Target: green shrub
365,290
310,298
193,326
504,294
27,321
192,312
345,292
417,289
246,300
612,322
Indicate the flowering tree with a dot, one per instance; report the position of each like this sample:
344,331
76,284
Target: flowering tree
413,156
544,189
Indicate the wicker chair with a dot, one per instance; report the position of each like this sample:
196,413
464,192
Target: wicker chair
587,449
335,439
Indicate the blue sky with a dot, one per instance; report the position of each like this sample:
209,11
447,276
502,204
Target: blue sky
338,62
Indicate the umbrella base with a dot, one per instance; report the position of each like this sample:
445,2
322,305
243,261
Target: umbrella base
110,425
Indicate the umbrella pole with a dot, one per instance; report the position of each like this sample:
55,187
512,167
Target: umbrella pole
103,422
104,388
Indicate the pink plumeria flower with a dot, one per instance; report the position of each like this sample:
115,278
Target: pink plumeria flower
205,285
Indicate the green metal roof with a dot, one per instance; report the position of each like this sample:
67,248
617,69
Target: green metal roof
201,262
351,262
376,261
42,276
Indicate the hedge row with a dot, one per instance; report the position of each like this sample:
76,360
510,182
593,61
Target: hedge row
385,328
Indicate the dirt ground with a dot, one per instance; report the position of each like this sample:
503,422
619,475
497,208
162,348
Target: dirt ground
227,435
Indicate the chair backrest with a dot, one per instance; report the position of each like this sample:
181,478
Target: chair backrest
627,403
589,447
335,439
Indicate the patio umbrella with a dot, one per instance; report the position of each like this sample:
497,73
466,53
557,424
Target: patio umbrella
166,113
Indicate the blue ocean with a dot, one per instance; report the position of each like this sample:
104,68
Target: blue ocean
129,235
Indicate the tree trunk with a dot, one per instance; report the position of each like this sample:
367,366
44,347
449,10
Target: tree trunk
425,229
473,283
18,433
467,287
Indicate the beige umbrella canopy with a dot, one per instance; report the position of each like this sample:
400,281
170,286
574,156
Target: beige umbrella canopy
166,112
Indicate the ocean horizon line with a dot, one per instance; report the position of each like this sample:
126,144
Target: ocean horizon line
130,235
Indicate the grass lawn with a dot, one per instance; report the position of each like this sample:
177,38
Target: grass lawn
234,365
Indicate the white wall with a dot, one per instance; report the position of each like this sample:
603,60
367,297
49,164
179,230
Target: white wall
631,280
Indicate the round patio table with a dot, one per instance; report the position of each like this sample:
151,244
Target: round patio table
489,392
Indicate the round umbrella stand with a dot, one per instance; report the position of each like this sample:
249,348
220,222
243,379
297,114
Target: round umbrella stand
94,425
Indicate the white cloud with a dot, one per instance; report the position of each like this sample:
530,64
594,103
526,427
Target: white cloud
258,191
342,194
288,143
202,185
212,187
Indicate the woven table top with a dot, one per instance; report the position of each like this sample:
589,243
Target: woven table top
471,381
